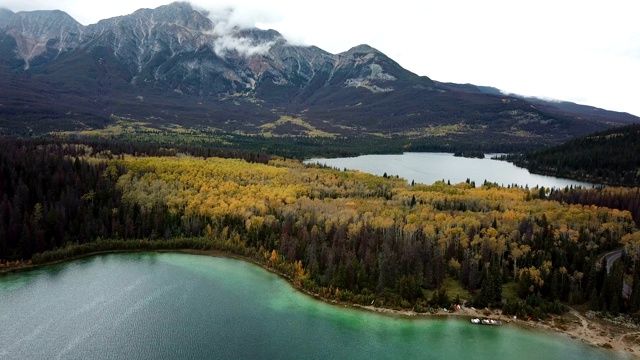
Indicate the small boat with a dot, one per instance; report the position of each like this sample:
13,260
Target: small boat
490,322
486,321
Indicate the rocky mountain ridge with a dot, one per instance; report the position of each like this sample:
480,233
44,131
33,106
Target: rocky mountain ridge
175,66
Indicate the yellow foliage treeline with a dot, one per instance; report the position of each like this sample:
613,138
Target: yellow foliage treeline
216,188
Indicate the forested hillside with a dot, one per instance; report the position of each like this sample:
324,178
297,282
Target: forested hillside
622,198
340,234
611,157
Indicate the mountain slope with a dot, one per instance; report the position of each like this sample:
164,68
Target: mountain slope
5,15
175,67
570,108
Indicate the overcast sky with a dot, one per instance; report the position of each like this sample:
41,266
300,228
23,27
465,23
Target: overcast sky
582,51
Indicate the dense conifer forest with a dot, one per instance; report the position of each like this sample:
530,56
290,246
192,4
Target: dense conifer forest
611,157
344,235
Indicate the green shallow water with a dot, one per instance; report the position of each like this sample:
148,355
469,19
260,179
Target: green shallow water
178,306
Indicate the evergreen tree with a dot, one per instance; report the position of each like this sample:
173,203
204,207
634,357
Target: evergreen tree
491,288
594,303
635,291
616,279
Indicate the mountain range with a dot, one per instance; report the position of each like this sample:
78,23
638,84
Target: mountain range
174,68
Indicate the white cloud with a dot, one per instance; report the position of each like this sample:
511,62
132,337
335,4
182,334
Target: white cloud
245,47
227,16
227,21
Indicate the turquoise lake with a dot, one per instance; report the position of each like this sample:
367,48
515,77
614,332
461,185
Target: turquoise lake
179,306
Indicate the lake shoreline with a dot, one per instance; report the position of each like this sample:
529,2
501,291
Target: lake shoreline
596,333
573,324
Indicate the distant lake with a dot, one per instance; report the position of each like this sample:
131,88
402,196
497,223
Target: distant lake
428,168
179,306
